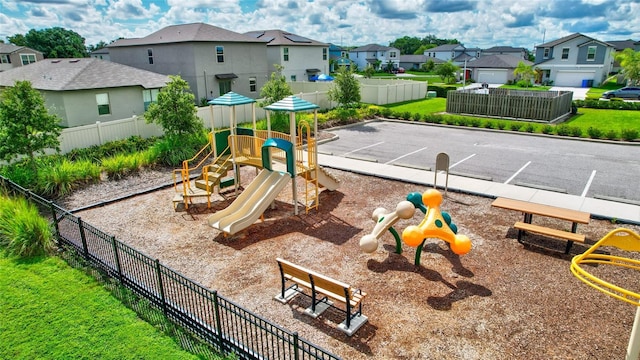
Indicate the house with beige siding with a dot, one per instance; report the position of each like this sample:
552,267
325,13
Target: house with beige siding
300,57
83,91
12,56
212,60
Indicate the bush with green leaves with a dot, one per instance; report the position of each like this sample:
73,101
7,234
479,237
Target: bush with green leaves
175,109
502,125
547,129
575,131
61,176
475,122
23,232
173,150
594,133
126,146
563,130
611,135
515,126
489,124
629,134
530,128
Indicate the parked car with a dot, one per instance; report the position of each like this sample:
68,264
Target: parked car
625,92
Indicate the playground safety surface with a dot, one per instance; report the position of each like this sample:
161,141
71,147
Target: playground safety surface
502,300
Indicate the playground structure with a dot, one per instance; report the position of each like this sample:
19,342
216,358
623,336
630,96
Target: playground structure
216,166
436,224
626,240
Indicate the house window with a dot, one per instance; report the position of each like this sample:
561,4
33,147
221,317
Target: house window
252,84
293,78
150,55
27,58
565,53
286,54
6,59
324,53
149,96
103,104
392,54
546,53
591,53
220,54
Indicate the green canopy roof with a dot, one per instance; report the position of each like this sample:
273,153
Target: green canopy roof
292,103
231,99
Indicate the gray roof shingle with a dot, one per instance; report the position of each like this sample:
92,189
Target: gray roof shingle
195,32
497,62
279,38
81,74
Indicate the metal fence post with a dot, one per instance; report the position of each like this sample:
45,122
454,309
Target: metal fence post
216,311
295,346
161,288
83,237
56,228
117,258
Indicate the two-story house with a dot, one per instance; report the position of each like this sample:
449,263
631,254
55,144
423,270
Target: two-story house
12,56
455,53
519,52
621,45
212,60
575,60
300,57
374,54
85,90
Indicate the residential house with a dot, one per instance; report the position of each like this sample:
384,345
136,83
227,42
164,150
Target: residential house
415,62
456,53
300,57
212,60
338,57
519,52
575,60
102,54
85,90
375,55
495,69
12,56
621,45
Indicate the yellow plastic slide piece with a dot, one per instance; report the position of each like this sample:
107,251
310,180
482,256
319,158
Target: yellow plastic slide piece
620,238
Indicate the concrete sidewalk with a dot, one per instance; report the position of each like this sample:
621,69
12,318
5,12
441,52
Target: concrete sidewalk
598,208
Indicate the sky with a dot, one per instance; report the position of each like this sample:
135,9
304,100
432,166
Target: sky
474,23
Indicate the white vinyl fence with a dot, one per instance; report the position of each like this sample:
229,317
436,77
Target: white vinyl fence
373,91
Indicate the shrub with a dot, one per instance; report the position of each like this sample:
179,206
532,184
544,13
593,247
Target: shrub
386,112
594,133
547,129
629,134
502,125
475,122
417,117
23,232
172,150
575,131
529,128
61,177
405,115
489,124
450,120
96,152
563,130
611,135
515,126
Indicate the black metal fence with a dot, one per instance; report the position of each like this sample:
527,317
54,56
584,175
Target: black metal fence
215,320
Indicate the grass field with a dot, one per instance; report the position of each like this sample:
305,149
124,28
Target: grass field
49,310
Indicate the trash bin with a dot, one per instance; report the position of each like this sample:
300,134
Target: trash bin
587,83
431,94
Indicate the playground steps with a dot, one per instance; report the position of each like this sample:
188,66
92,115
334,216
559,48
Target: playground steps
214,176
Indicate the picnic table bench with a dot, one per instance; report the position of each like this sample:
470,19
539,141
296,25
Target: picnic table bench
529,209
322,289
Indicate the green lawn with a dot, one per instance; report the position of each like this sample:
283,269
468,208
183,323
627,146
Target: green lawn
49,310
605,119
426,106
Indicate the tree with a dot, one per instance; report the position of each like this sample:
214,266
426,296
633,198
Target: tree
175,110
276,88
26,127
447,71
54,42
346,88
369,71
98,46
525,73
630,62
406,44
428,66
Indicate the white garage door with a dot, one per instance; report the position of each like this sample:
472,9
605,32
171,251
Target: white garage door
494,76
573,78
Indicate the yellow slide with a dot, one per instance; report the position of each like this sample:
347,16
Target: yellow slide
251,203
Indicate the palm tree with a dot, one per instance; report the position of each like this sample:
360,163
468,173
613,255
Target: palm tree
524,72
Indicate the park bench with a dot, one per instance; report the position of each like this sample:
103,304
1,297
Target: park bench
529,209
322,290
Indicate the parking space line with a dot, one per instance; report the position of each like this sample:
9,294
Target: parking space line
459,162
586,188
405,155
517,172
362,148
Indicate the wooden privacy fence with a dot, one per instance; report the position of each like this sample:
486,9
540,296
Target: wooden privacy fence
216,321
548,106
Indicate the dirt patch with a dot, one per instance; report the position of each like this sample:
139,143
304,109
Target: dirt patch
502,300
